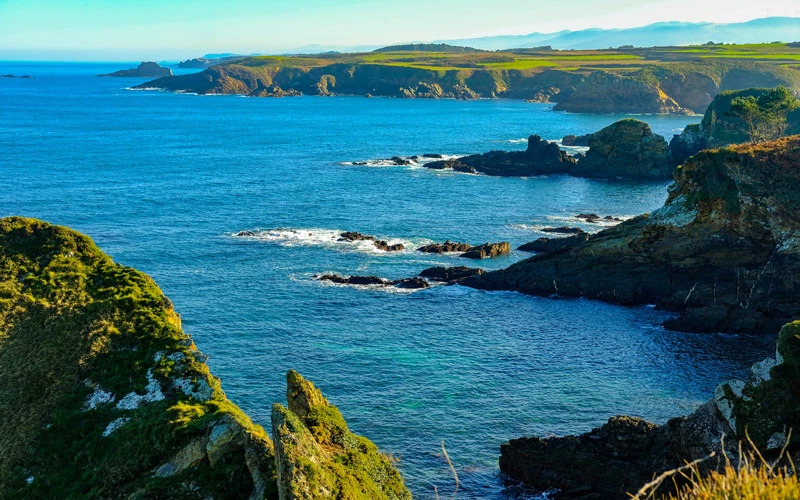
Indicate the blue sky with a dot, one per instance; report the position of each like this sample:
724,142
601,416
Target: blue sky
171,29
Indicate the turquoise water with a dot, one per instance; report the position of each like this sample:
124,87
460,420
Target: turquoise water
162,181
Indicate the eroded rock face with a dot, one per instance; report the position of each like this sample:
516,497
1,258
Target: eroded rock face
724,251
316,455
624,454
628,149
603,92
541,158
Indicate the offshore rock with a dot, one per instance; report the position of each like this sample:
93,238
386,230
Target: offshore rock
545,245
540,158
144,70
488,250
316,455
446,247
723,252
628,149
622,455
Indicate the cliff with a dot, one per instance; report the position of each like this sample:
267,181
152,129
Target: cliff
627,452
102,394
658,80
722,252
144,70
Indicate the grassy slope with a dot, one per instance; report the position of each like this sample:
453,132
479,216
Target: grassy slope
71,320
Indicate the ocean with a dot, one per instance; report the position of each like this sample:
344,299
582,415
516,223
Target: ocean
163,181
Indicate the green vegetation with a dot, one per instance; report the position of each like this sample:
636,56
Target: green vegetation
318,456
85,343
765,115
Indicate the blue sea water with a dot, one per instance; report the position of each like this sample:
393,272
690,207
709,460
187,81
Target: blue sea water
162,181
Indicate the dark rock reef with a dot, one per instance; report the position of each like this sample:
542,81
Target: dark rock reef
379,244
723,252
144,70
542,245
627,452
408,283
446,247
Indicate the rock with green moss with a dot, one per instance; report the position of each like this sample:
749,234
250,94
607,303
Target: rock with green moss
102,394
723,251
622,455
316,455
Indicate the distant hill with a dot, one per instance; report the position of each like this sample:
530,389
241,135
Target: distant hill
428,47
769,29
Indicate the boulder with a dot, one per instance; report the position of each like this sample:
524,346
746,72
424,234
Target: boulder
412,283
488,250
355,236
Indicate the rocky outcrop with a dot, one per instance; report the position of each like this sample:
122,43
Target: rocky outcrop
487,250
563,230
628,149
723,252
102,393
540,158
316,455
446,247
450,275
624,454
144,70
576,140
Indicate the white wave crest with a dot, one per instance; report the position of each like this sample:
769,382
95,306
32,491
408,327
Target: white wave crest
326,238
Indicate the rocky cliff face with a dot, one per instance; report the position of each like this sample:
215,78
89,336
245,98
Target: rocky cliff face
665,89
627,148
102,395
624,454
316,455
723,251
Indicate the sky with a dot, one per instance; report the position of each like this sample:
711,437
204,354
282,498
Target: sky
117,30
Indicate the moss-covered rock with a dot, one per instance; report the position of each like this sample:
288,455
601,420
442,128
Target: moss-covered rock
316,455
102,395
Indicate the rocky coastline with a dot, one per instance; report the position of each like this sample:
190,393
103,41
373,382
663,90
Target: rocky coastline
144,70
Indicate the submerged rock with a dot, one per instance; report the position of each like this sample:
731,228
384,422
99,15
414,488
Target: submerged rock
355,236
724,251
446,247
627,452
354,280
488,250
450,275
316,455
412,283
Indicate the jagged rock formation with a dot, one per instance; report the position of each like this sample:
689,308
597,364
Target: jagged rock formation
446,247
540,158
487,250
379,244
627,148
543,245
625,453
724,251
101,393
316,455
409,283
144,70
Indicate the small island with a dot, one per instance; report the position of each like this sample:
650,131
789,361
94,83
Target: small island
144,70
